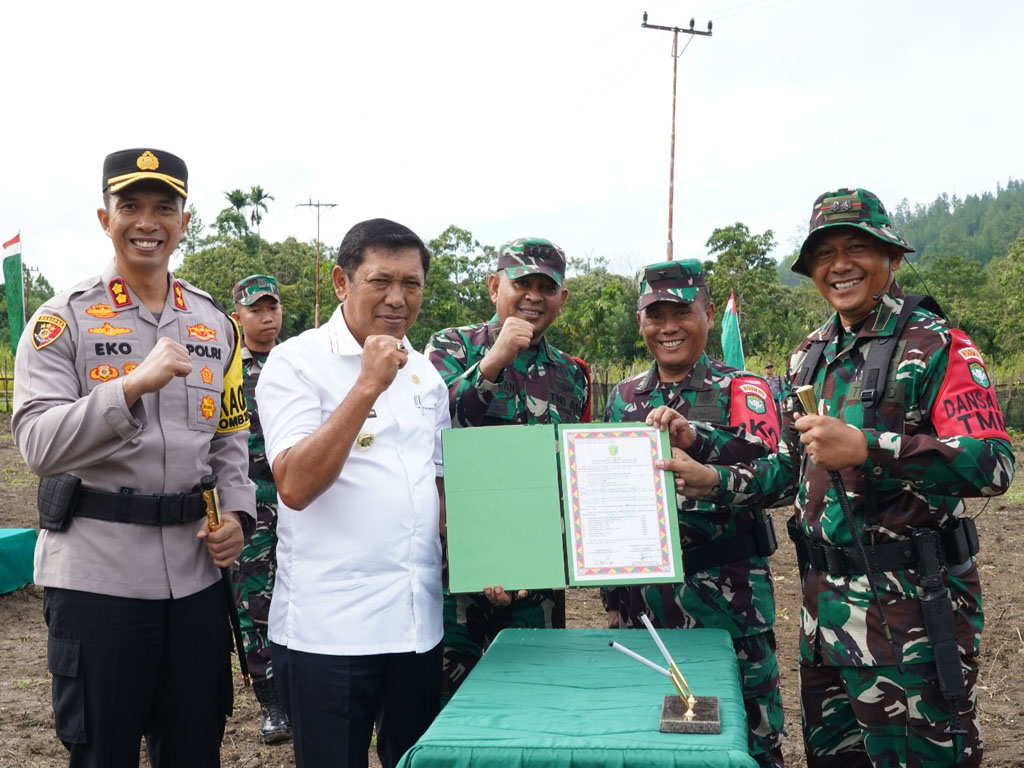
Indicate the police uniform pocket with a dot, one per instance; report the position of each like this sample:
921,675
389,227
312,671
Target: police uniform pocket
203,388
63,659
106,360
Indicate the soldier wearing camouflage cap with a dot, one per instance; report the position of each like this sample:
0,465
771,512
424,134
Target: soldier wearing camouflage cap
892,616
714,411
259,315
504,371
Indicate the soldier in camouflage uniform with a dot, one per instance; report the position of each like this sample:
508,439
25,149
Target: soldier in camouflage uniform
935,437
258,312
505,372
723,413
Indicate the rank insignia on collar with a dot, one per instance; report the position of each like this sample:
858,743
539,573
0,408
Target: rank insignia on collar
201,332
100,310
119,293
109,330
104,372
47,330
129,367
206,375
207,407
179,296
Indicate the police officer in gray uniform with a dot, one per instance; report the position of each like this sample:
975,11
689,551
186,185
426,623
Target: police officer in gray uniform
128,391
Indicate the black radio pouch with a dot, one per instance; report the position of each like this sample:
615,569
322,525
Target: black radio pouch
56,501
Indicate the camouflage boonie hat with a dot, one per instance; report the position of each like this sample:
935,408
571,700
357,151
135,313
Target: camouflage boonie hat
849,208
676,281
532,256
251,289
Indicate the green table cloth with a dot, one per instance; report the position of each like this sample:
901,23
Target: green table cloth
17,546
563,697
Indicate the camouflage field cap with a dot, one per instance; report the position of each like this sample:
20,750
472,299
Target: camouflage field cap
676,281
849,208
532,256
120,169
251,289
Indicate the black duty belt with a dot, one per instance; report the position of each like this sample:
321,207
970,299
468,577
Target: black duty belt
140,508
959,544
759,542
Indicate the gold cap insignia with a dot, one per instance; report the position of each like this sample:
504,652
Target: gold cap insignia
147,161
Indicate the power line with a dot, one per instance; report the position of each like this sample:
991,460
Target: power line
318,205
676,53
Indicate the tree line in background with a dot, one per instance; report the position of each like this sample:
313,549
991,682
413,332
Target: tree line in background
970,256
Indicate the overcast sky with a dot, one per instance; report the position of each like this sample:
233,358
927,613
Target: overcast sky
507,119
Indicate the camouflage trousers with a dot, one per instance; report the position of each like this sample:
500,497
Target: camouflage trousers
879,717
471,622
759,672
254,575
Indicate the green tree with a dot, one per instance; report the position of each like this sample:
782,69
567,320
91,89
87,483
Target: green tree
193,232
258,205
456,289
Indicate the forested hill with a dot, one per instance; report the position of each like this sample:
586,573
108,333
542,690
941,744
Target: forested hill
979,228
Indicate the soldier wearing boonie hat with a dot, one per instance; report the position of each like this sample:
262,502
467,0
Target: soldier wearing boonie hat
892,614
505,372
125,398
727,582
848,208
258,313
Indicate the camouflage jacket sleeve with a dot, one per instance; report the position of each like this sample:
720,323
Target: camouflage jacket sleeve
967,451
457,359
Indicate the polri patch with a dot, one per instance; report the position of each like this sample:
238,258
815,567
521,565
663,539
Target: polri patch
47,330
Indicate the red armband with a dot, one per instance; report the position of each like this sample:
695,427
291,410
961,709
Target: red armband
966,404
752,407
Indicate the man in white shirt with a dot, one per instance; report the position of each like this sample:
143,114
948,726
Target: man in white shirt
352,418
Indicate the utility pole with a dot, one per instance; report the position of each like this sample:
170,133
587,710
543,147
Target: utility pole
318,205
675,62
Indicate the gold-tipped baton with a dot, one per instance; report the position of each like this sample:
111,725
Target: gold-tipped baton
214,520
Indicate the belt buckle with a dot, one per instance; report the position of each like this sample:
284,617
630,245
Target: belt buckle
170,509
834,560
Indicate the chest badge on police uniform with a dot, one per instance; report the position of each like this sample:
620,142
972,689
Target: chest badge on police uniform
415,379
47,330
201,332
104,372
110,330
207,407
364,441
206,375
129,367
101,311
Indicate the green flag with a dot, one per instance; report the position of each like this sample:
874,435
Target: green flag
15,289
732,344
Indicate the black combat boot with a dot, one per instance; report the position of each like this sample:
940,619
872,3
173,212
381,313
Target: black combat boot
275,726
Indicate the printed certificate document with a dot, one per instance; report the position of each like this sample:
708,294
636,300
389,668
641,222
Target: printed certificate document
620,510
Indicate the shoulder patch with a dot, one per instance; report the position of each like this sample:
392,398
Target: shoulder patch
119,293
179,296
966,404
752,407
47,330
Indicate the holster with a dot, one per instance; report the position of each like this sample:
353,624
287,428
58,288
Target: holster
56,500
939,619
764,533
796,536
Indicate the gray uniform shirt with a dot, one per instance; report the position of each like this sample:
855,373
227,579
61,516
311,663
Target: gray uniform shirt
70,415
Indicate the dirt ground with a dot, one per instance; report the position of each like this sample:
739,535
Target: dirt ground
26,721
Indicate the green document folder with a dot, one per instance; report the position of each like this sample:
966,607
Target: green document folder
505,508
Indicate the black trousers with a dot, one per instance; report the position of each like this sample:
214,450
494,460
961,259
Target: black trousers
333,702
123,668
